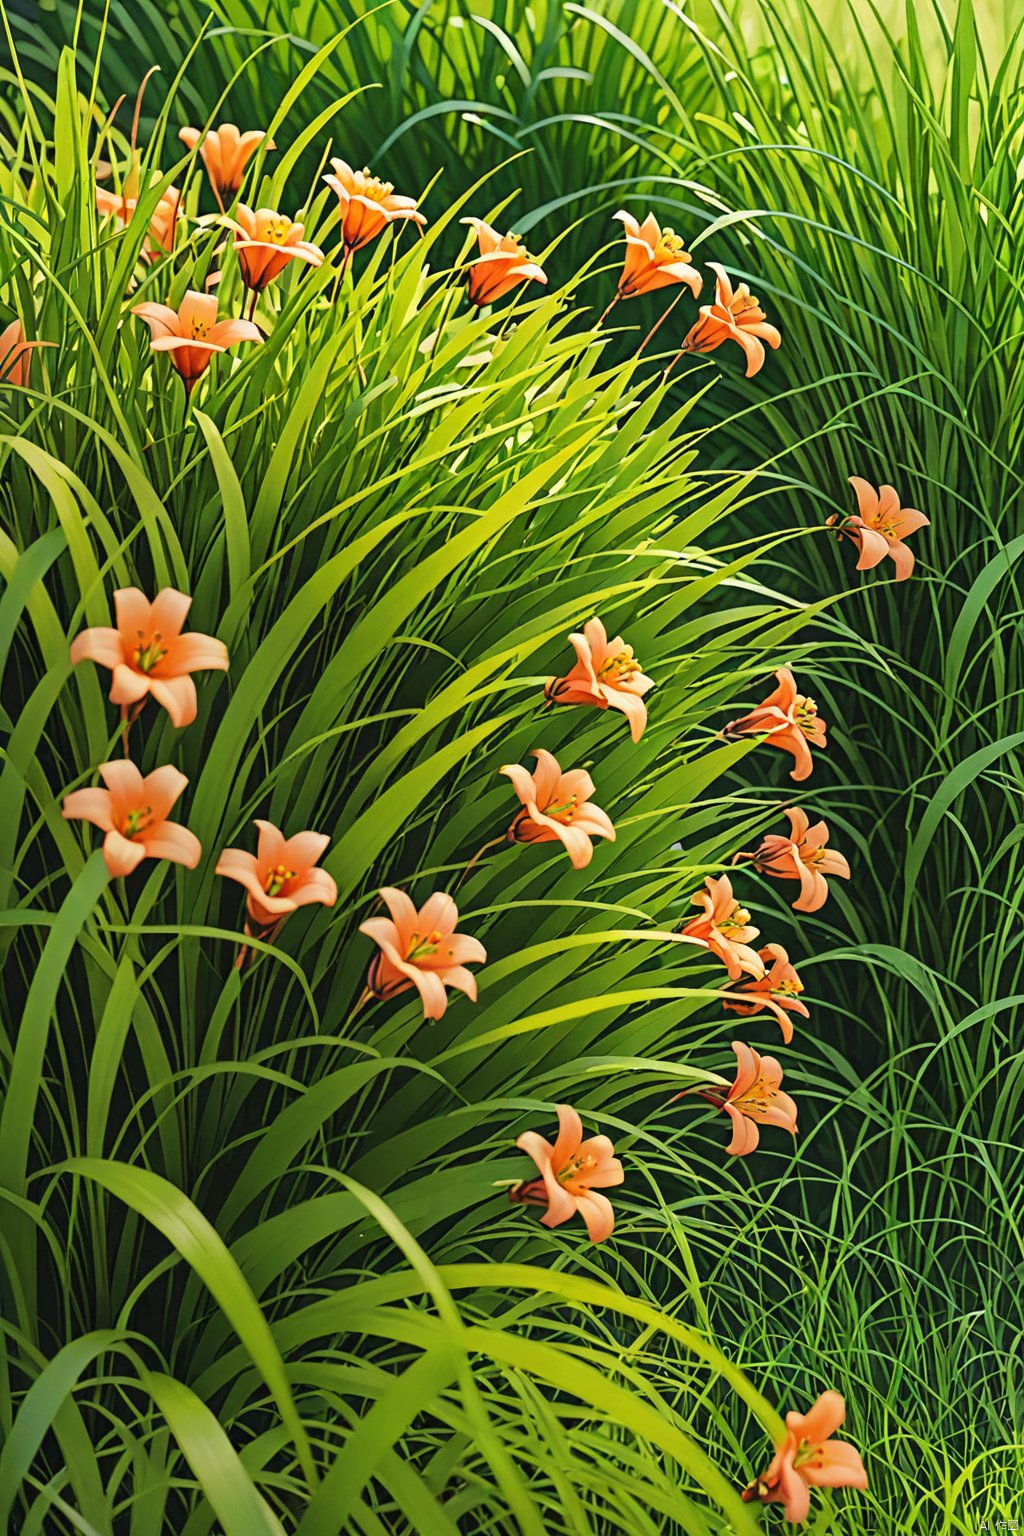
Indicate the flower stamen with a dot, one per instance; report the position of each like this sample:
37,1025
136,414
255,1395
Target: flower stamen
136,821
277,878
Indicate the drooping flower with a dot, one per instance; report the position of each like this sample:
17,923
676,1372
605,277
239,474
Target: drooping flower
571,1173
785,719
422,950
16,355
606,674
724,926
879,526
655,258
557,806
368,205
809,1458
282,876
265,242
753,1100
148,654
777,990
225,153
734,316
802,856
163,221
133,811
502,263
194,333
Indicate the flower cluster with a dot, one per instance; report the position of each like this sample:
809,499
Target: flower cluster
574,1170
148,657
266,241
788,720
656,258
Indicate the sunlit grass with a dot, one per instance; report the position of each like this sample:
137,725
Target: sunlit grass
377,686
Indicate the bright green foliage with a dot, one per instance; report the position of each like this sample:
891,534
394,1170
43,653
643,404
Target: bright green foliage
218,1180
257,1268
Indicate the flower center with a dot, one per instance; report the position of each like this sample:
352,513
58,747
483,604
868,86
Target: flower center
577,1167
805,713
374,188
621,666
277,230
512,245
738,918
745,306
276,879
199,329
757,1099
564,812
136,821
889,531
149,651
420,948
790,986
670,246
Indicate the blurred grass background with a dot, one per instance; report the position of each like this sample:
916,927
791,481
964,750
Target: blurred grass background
862,167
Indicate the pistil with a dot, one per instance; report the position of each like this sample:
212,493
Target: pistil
420,948
566,811
136,821
148,652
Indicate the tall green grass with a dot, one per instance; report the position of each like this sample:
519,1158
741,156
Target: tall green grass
877,209
258,1267
862,169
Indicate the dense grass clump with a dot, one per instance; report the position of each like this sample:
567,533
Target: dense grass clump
259,1271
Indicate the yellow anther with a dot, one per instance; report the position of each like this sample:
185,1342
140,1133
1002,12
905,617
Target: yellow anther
276,880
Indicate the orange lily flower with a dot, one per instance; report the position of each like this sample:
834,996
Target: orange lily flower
148,654
785,719
809,1458
778,990
802,856
571,1173
282,876
368,205
502,263
422,950
734,316
879,526
266,242
557,805
655,258
16,355
194,334
163,222
724,928
606,674
132,811
225,153
753,1100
